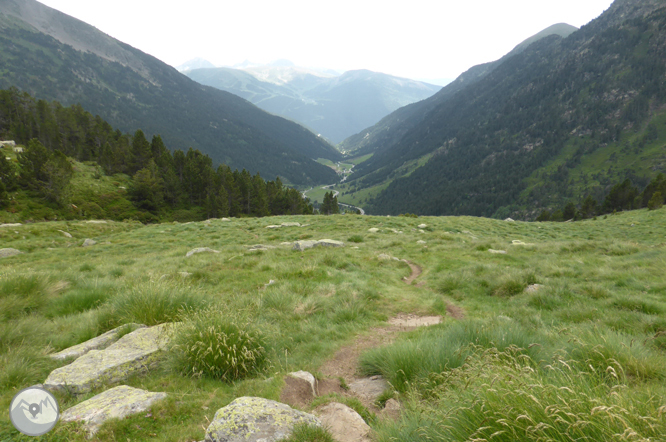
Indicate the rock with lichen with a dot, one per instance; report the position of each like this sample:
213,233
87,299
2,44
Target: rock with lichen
252,419
133,353
100,342
116,403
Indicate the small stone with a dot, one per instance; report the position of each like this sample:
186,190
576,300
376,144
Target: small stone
304,245
96,221
422,226
260,247
200,250
308,377
369,388
88,242
329,243
116,403
343,423
286,243
533,288
11,225
273,227
384,257
291,224
184,274
509,220
225,219
6,253
420,242
373,230
498,252
252,419
67,234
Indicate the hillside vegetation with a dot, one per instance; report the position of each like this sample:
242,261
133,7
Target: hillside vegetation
591,102
335,107
580,355
73,63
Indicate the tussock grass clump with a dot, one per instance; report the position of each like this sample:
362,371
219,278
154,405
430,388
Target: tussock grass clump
355,238
23,365
309,433
85,296
210,343
156,303
20,295
443,349
501,396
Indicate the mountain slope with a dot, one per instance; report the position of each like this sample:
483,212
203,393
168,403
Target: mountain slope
334,107
385,134
56,57
587,92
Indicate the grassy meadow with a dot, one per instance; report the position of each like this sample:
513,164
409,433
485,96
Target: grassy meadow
582,358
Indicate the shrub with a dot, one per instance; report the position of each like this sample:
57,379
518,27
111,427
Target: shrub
656,202
214,345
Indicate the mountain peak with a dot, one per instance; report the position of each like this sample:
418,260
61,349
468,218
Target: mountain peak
195,63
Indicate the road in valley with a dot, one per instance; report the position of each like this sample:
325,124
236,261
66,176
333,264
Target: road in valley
336,193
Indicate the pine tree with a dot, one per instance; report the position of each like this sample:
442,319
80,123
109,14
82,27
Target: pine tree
141,152
656,202
7,173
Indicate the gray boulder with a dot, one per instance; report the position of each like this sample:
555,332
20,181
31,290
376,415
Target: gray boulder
309,244
88,242
116,403
200,250
66,234
343,423
133,353
97,343
329,243
291,224
252,419
6,253
497,252
369,388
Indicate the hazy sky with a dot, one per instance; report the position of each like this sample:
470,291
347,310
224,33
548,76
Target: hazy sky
414,39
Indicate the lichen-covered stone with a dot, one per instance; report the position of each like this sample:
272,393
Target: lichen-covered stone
97,343
200,250
497,252
291,224
6,253
136,352
343,423
273,227
422,226
88,242
66,234
373,230
251,419
329,243
116,403
304,245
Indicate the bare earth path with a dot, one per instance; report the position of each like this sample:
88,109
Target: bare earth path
416,272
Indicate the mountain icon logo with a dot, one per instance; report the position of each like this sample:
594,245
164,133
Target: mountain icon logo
34,411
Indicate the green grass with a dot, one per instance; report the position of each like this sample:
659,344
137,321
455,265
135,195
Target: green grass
601,311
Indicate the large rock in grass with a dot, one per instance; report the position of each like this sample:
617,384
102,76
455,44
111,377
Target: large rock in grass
309,244
252,419
291,224
6,253
133,353
97,343
343,423
88,242
116,403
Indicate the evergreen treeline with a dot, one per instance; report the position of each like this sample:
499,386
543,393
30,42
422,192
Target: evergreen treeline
622,196
164,185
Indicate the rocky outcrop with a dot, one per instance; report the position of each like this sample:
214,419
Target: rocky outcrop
97,343
6,253
343,423
133,353
309,244
200,250
251,419
116,403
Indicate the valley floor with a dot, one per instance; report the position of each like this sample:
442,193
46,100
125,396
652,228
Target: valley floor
550,331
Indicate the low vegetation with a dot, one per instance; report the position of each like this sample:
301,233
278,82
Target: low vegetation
561,338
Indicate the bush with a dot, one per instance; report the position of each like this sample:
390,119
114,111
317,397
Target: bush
656,202
214,345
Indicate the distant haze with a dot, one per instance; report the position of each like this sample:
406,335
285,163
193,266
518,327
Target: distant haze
416,39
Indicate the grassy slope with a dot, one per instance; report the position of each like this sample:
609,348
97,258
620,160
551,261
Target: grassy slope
601,275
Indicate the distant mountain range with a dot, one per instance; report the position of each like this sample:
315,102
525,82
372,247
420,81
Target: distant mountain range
558,118
56,57
334,106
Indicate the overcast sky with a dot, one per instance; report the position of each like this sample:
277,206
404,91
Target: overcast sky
413,39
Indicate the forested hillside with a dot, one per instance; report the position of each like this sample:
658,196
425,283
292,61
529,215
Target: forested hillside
506,144
56,57
119,176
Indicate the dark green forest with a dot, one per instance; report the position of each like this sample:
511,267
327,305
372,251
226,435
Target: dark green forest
602,83
158,99
164,186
